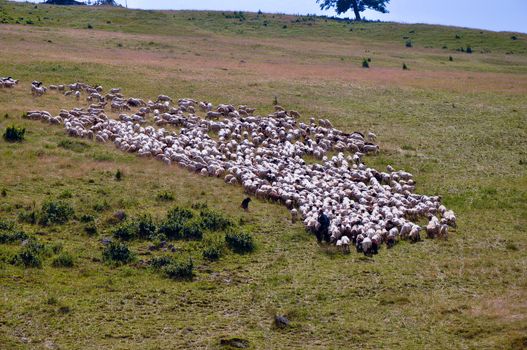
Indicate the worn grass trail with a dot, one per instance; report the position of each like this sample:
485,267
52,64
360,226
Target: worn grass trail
459,127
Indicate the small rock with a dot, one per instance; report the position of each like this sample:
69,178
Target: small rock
120,215
281,321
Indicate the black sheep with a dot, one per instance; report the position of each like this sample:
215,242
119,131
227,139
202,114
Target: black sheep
245,203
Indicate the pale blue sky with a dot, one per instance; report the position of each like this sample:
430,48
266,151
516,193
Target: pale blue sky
498,15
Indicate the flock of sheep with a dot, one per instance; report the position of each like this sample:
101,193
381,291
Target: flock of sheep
266,155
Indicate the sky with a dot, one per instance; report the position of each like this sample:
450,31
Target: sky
497,15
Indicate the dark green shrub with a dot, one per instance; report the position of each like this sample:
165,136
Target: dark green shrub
161,261
165,196
179,270
171,229
469,49
174,226
6,225
125,231
85,218
118,175
179,214
3,193
90,229
365,63
116,252
214,221
89,26
408,43
240,242
14,134
63,260
30,255
192,230
405,67
212,253
450,58
8,237
146,228
55,213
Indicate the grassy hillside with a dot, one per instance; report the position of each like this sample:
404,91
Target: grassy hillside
459,126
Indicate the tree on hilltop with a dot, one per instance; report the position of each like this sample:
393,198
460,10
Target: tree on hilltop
358,6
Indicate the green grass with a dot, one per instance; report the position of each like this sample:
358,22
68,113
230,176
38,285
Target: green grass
461,133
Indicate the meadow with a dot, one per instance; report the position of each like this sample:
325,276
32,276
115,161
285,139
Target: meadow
459,125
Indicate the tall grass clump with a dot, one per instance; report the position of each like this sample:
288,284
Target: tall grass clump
212,252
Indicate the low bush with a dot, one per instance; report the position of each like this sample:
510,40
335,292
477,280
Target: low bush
214,221
63,260
126,231
171,229
146,228
30,255
408,43
240,242
86,218
116,252
179,214
161,261
55,213
14,134
192,230
178,225
365,63
469,49
6,225
179,270
90,229
212,252
12,237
